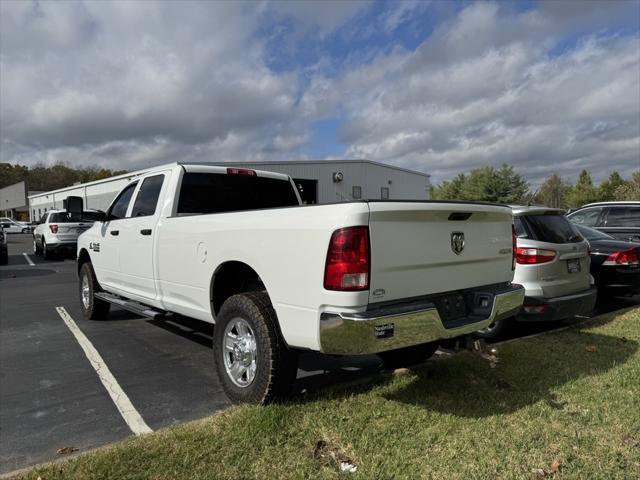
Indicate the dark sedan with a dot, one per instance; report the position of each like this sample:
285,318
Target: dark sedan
615,264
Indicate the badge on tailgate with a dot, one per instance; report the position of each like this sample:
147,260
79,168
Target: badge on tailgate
457,242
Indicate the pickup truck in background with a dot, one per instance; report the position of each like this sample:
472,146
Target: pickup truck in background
234,247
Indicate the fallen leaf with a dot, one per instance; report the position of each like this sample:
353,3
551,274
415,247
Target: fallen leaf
538,472
555,466
66,450
629,440
348,467
330,455
591,348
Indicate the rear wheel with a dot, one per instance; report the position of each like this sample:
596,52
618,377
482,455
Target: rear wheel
92,308
26,230
47,253
253,363
36,249
405,357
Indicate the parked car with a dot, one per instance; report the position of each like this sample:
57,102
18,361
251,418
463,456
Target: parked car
4,250
57,232
235,247
615,264
621,220
553,265
9,225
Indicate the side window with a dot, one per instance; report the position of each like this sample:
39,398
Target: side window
43,218
623,217
588,217
147,198
119,208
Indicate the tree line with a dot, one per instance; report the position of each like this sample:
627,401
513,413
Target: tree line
41,178
505,185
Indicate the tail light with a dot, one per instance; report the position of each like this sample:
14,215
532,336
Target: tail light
513,246
53,228
348,260
241,171
626,257
532,256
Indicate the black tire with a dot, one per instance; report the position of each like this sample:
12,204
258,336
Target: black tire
36,249
47,253
4,257
93,308
275,364
26,230
408,356
494,330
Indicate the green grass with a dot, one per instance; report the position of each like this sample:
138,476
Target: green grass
550,398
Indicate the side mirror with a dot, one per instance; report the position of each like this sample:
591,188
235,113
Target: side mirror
73,206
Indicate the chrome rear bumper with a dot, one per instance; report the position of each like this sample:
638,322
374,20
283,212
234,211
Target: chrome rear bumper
398,326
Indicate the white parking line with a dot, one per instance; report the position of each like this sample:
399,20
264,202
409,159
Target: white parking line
123,404
28,259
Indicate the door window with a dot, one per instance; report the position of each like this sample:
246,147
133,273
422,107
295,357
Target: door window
589,217
119,208
623,217
147,198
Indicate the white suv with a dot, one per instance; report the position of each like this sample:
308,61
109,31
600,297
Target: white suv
552,264
56,232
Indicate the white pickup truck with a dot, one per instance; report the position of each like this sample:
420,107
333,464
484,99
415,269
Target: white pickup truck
234,247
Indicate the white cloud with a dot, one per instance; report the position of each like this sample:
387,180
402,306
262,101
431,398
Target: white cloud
131,84
484,91
76,76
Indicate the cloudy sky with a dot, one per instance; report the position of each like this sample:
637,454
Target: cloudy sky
440,87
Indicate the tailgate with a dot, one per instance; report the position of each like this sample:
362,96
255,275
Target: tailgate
412,248
71,230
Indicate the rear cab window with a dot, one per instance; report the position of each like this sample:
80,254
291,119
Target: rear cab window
550,228
203,193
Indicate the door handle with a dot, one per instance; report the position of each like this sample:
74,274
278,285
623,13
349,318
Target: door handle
145,231
115,233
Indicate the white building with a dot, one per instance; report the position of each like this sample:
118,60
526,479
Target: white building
325,181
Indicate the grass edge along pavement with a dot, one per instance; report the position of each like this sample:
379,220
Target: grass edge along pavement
561,405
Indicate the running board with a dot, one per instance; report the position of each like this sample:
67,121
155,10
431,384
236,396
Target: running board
133,307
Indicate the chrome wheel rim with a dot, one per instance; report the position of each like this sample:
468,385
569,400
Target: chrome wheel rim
240,352
86,291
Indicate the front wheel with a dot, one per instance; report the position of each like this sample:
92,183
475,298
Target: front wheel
253,363
405,357
92,308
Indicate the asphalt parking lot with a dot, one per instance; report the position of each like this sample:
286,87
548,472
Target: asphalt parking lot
51,396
